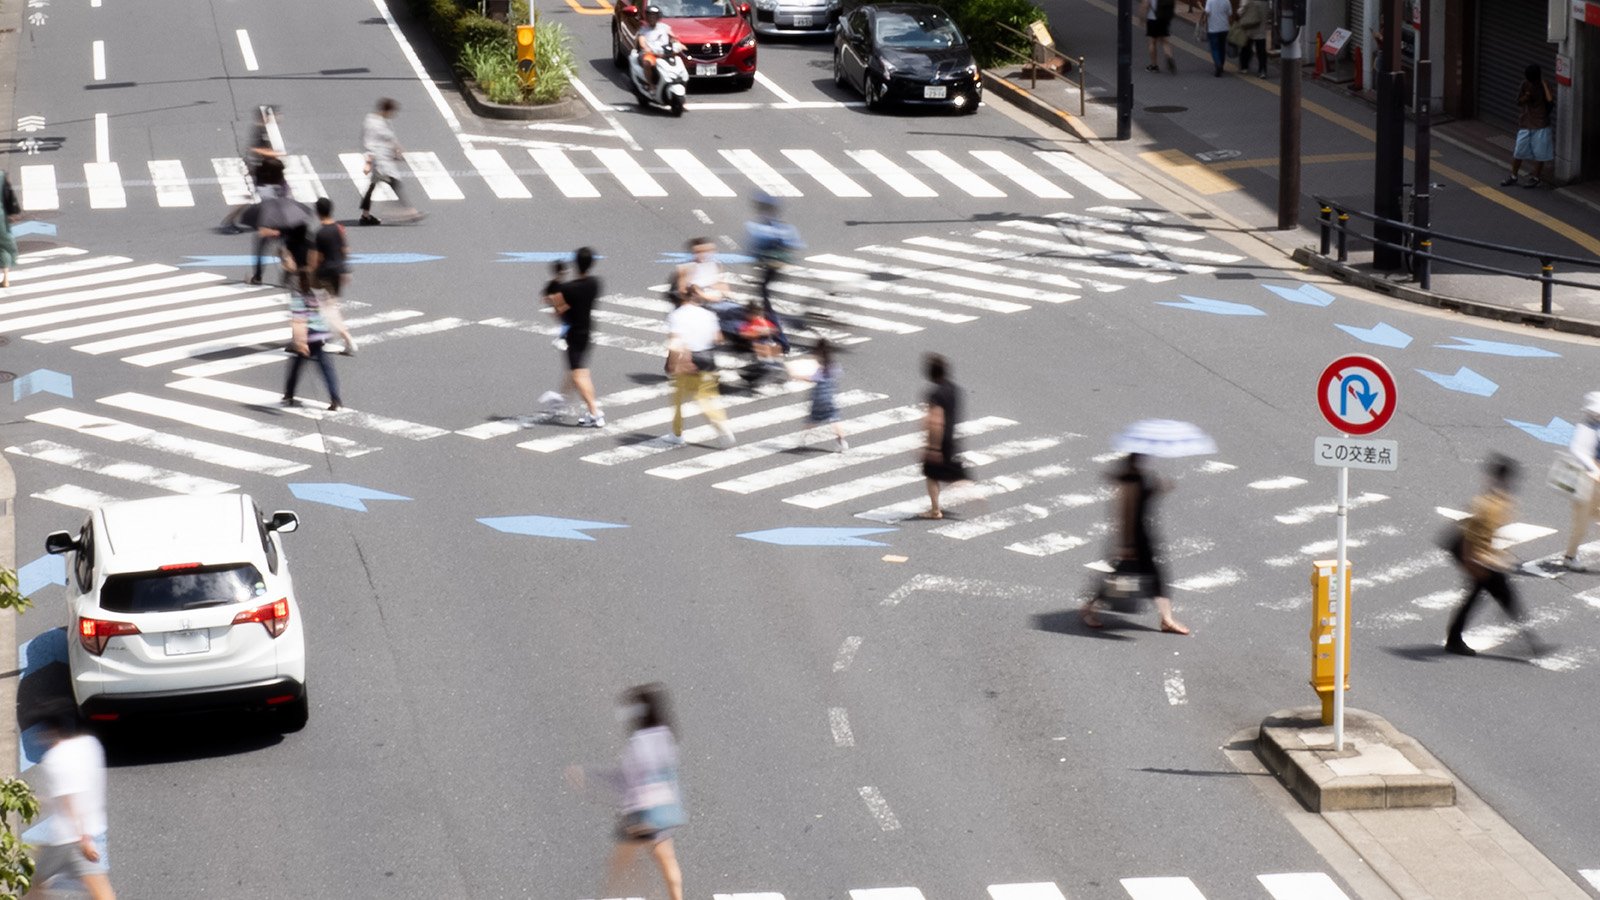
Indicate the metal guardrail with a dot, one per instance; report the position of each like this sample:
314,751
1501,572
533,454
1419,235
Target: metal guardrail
1417,249
1035,46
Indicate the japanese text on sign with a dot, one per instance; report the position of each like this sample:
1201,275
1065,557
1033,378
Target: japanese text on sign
1351,453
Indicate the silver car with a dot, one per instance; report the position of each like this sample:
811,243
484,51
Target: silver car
800,17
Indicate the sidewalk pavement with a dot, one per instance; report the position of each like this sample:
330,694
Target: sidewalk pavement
1233,120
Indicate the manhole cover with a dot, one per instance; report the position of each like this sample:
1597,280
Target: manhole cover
7,376
1166,109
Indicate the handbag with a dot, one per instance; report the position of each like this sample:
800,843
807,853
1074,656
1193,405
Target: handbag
1236,37
680,362
1570,477
1125,591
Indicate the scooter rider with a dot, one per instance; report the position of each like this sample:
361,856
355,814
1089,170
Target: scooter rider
654,37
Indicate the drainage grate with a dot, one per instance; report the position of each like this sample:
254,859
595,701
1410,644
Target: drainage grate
1166,109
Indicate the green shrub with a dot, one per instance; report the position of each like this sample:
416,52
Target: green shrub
473,29
978,20
441,18
484,63
552,47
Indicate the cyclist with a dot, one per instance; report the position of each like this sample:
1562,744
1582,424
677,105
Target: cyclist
772,242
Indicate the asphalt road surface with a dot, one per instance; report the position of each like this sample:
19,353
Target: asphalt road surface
927,715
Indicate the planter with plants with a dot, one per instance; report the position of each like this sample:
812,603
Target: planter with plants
482,53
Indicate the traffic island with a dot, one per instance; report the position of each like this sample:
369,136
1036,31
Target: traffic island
1379,768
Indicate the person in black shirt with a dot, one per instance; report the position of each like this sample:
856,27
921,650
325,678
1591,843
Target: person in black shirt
1136,491
575,304
939,462
330,269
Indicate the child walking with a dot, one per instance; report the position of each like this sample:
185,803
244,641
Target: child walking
825,386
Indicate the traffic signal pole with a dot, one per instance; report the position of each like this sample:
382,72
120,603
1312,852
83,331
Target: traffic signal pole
1291,15
1124,69
1388,183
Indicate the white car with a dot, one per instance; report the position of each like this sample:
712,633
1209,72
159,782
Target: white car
183,603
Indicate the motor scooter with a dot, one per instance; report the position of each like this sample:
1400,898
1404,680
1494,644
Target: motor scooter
672,80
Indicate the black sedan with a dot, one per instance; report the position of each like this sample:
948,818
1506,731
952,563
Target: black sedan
906,53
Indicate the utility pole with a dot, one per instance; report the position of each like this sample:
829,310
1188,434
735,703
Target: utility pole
1124,69
1422,173
1388,183
1291,15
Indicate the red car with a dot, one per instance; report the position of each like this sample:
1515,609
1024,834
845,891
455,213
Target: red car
721,44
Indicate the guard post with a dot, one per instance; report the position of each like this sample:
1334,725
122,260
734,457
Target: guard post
1325,621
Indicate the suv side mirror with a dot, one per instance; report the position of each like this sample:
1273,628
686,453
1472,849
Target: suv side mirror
60,542
630,11
283,522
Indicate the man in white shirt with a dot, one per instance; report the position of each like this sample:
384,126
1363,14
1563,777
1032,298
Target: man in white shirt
1585,446
655,36
383,152
71,786
692,332
1218,17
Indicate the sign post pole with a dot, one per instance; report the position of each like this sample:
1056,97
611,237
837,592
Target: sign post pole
1341,603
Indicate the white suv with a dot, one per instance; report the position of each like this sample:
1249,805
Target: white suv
180,604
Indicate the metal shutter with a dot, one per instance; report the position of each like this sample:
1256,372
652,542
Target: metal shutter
1357,16
1511,35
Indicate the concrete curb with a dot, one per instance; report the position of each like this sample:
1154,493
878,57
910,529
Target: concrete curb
1309,769
488,109
9,735
1351,275
1019,97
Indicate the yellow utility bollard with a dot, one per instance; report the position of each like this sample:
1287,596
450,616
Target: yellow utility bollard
525,55
1324,614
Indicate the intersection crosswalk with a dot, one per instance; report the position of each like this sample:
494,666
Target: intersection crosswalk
586,174
1274,886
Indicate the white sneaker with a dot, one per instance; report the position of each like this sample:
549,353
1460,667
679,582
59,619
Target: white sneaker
726,440
672,440
840,445
595,421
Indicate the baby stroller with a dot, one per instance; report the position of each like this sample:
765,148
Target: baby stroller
764,364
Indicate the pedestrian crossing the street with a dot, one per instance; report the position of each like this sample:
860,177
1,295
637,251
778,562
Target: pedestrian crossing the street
586,174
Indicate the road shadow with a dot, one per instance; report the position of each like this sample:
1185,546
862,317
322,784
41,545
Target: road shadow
1432,653
176,739
1069,622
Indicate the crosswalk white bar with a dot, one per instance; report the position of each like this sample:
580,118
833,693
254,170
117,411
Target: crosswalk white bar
1132,271
844,296
77,281
1592,876
908,475
233,177
121,469
1129,223
502,426
178,332
733,456
497,174
172,185
75,497
691,169
1161,889
1038,890
41,273
234,424
858,281
572,183
105,185
251,339
1048,544
991,487
432,326
1025,178
654,418
628,320
894,893
1303,886
957,174
890,173
354,164
251,396
139,436
1086,175
69,299
905,443
826,173
432,175
844,317
760,174
634,179
614,341
304,184
37,256
762,419
128,323
1143,242
946,261
759,895
268,357
939,276
1147,263
1002,519
39,188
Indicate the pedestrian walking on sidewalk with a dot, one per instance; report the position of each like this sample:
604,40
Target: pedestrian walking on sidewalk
1486,566
9,209
1536,141
72,799
941,462
383,152
652,799
1214,23
1158,16
1585,447
330,271
309,337
692,332
575,302
1135,556
1251,25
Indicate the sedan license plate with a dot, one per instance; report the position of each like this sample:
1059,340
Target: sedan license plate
934,92
704,70
183,643
802,21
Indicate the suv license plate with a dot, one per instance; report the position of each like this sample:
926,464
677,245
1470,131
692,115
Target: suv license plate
934,92
802,21
182,643
705,70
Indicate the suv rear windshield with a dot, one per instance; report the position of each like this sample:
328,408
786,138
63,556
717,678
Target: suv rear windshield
175,589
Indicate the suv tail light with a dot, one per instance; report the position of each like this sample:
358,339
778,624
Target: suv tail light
274,617
94,633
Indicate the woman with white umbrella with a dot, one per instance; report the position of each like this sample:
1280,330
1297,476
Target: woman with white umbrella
1135,495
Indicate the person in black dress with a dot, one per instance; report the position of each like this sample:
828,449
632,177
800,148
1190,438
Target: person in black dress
939,462
1136,552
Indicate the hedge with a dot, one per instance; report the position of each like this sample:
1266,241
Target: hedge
457,25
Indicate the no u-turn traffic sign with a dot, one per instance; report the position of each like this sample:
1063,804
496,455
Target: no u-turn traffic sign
1356,394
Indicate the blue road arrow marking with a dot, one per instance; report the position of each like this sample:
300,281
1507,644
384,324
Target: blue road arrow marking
41,381
344,496
679,257
22,229
804,536
389,259
537,256
48,569
1464,381
1309,294
1381,334
224,261
1496,348
1558,432
547,526
1215,307
1365,395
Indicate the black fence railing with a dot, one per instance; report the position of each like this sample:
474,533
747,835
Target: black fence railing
1417,253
